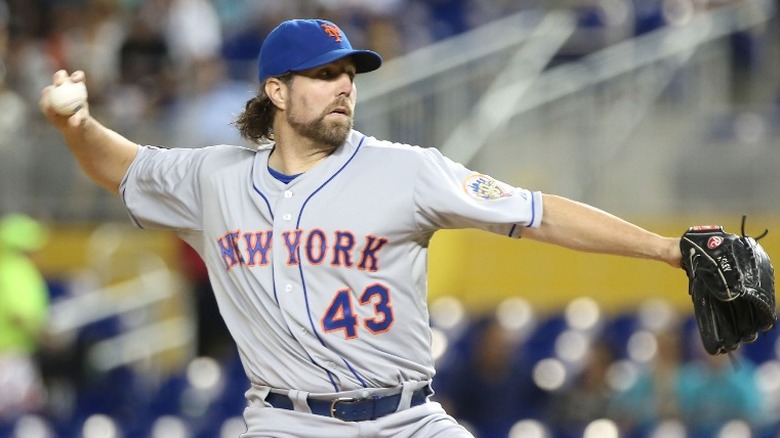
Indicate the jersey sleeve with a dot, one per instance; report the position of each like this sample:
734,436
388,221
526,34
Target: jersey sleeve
449,195
161,188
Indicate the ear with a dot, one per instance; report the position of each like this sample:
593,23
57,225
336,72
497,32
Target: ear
276,90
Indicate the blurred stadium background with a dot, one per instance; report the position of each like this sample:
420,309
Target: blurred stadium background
665,112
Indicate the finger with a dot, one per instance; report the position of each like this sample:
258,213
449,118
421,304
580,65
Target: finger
77,76
59,77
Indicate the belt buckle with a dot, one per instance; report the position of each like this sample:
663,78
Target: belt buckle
337,401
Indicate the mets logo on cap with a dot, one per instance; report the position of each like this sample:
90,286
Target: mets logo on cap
484,187
332,31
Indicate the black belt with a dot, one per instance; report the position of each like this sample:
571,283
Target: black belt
352,409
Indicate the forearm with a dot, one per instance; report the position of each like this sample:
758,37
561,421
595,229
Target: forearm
103,154
581,227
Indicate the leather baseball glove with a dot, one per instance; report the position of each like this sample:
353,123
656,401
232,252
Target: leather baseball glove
731,282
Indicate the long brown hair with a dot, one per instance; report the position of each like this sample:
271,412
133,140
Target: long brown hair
256,123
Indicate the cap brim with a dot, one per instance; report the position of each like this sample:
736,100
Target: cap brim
365,60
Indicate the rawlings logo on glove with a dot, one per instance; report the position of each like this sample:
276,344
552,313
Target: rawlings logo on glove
731,282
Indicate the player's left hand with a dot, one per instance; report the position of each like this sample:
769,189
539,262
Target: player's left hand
732,285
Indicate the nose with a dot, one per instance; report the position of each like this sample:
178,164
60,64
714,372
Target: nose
345,84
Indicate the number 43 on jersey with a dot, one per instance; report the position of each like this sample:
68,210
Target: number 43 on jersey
341,313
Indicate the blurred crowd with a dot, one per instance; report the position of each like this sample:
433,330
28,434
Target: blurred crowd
583,374
142,56
515,372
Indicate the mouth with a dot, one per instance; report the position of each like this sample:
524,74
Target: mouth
340,110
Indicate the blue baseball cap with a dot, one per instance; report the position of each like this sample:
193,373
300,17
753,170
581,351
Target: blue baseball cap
301,44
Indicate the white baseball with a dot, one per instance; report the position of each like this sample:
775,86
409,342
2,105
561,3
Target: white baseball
68,97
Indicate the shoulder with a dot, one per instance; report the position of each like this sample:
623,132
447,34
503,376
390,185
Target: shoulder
385,148
211,154
234,153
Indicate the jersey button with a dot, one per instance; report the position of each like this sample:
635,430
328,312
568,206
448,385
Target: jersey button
288,193
287,216
288,288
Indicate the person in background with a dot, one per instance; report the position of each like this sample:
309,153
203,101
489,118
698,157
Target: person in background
24,304
589,397
714,390
492,387
653,396
213,339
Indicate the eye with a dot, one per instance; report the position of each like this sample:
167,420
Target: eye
333,73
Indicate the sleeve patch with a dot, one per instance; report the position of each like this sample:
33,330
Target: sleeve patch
485,188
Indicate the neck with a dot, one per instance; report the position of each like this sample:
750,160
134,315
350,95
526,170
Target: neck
294,154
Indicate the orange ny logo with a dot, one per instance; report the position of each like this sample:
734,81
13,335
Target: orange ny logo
332,32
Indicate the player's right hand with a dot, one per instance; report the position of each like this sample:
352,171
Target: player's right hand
60,121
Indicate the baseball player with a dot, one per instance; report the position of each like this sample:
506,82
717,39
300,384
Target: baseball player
316,240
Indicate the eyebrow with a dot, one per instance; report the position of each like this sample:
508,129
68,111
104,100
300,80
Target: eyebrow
348,68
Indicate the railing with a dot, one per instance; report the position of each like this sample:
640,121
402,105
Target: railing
616,123
422,97
137,292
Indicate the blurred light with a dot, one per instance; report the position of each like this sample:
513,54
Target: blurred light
622,375
32,426
669,429
678,12
582,313
169,426
100,426
194,403
571,346
601,428
768,376
232,427
642,346
749,128
204,373
528,429
656,315
515,314
549,374
735,429
439,343
447,312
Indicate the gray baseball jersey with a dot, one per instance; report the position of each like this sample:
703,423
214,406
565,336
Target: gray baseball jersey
322,281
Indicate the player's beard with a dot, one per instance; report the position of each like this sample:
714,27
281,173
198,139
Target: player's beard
331,134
